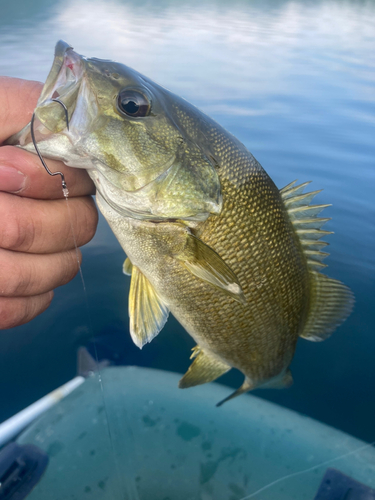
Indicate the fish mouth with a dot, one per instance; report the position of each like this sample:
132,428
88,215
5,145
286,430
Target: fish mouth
63,84
60,62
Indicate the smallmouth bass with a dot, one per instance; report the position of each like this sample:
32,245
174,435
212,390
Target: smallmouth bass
207,234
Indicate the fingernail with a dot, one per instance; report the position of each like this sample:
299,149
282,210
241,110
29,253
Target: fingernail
11,180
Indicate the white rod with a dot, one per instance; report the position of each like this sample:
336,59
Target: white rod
11,427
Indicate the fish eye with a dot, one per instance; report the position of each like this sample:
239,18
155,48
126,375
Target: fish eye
133,103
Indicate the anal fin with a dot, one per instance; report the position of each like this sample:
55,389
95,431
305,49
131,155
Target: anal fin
331,302
204,368
148,314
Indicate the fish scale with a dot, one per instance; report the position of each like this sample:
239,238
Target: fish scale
254,212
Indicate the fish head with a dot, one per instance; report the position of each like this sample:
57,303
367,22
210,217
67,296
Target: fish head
134,137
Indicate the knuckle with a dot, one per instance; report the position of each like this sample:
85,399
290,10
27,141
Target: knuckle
88,221
22,280
71,260
15,277
16,235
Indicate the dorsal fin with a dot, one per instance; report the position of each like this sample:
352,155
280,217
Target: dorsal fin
306,222
330,300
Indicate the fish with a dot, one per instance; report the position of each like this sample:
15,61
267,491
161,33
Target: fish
207,234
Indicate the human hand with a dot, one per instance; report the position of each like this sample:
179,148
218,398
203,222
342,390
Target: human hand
37,251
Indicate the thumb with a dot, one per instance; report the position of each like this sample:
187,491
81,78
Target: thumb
18,100
22,172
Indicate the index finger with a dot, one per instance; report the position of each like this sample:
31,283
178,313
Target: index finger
37,183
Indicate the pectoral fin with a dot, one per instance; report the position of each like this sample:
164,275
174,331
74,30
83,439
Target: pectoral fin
204,368
206,264
127,267
148,314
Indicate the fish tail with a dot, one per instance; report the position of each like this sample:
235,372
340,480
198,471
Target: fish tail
245,387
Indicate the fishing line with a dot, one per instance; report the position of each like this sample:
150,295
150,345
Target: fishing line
310,469
100,380
66,194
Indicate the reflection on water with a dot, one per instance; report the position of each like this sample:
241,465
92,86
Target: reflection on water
292,80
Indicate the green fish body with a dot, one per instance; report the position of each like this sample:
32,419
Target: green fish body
207,234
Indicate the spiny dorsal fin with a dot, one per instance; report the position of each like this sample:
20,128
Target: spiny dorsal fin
306,211
206,264
306,222
312,234
204,368
311,223
290,190
316,255
331,302
313,244
301,200
148,314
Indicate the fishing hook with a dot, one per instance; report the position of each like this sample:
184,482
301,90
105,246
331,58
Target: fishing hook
64,186
65,110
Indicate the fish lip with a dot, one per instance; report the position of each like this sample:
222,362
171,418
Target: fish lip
23,137
67,70
63,84
60,50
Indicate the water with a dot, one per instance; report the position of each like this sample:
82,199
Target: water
294,81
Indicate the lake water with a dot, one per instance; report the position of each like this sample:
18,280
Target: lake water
294,81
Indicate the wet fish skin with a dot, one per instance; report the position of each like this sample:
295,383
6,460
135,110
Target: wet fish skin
207,233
